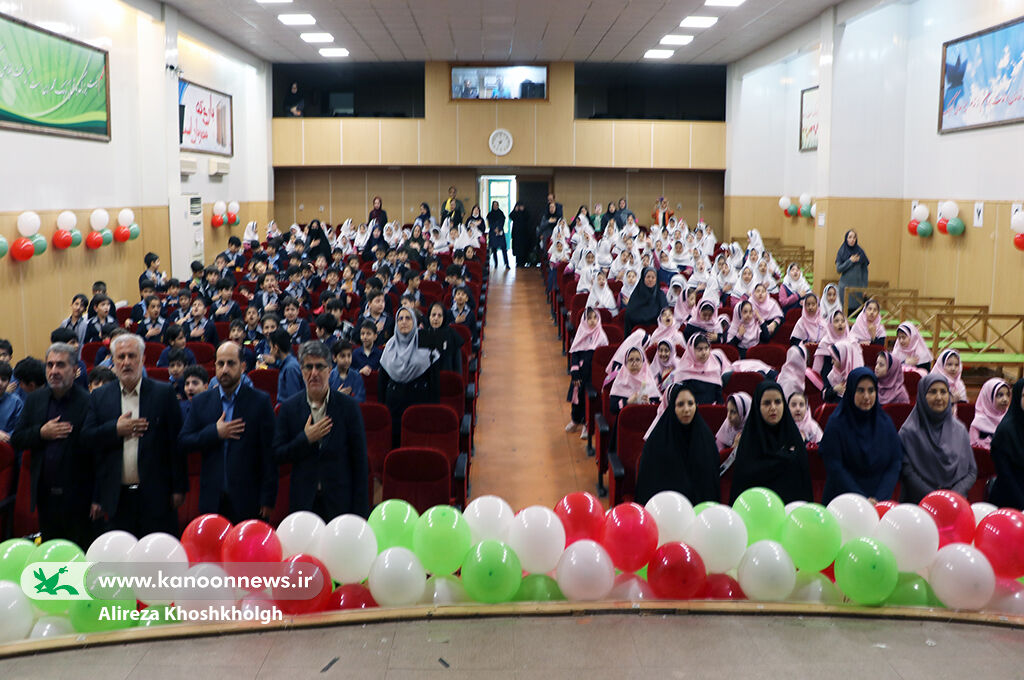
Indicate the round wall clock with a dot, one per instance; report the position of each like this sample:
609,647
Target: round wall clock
500,142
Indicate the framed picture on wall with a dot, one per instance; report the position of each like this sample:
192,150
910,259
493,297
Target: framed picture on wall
809,119
981,85
52,84
204,120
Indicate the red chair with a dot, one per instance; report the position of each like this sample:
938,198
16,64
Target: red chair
898,413
602,355
783,333
793,315
870,354
223,328
910,380
432,288
823,413
89,352
731,353
377,425
816,464
284,484
453,395
371,382
265,379
965,413
189,510
437,426
633,422
26,522
771,354
742,381
8,489
123,314
152,353
986,471
420,476
714,415
160,373
204,352
614,333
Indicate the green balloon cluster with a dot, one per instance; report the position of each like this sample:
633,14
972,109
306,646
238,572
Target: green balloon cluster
701,507
14,554
866,571
912,591
441,539
393,522
762,511
55,550
925,229
955,227
539,588
491,572
812,537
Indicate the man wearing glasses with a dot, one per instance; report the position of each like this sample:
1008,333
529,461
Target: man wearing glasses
320,433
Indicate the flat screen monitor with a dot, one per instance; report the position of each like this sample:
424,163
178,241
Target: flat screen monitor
485,81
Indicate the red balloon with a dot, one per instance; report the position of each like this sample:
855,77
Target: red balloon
61,239
122,234
351,596
217,221
630,536
232,218
251,541
883,507
311,595
203,538
785,212
912,227
1018,241
582,516
22,249
830,572
952,514
676,572
722,587
94,240
941,225
1000,536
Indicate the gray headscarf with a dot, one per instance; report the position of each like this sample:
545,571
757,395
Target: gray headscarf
403,358
937,445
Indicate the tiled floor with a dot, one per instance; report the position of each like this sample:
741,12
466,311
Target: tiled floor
591,648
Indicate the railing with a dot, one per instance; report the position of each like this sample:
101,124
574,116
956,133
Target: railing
981,330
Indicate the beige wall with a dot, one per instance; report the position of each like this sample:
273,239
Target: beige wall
545,134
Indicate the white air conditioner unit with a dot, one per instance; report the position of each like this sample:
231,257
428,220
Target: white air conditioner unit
219,166
189,166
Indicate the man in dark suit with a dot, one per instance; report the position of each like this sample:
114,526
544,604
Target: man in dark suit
132,427
321,434
61,468
233,427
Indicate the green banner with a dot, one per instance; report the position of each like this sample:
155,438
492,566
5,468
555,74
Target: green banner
51,84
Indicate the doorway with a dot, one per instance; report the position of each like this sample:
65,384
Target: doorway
533,194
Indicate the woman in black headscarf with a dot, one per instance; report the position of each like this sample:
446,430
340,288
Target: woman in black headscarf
646,302
680,453
523,234
409,373
439,334
852,264
317,242
496,242
378,214
771,452
1008,454
936,445
375,242
861,449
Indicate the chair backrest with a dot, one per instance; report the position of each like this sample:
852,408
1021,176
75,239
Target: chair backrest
771,354
965,413
870,354
223,329
418,475
793,315
910,380
265,379
370,383
89,352
634,420
377,424
614,333
432,426
151,355
823,413
432,288
204,351
578,304
898,413
160,373
123,314
731,353
602,355
742,381
453,392
616,287
8,478
713,414
783,333
25,521
464,333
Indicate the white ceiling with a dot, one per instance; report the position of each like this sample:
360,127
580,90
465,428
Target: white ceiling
501,30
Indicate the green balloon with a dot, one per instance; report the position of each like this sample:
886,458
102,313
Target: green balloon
133,231
57,550
762,511
108,237
539,588
811,536
701,507
4,246
159,617
39,243
14,555
441,539
491,572
392,522
76,238
912,591
924,229
96,616
794,209
955,227
805,211
866,571
642,572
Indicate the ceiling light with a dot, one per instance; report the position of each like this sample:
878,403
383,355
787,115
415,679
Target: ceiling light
333,52
698,22
724,3
296,19
317,37
677,40
658,54
273,2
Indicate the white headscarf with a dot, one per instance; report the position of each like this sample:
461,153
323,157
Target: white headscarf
403,358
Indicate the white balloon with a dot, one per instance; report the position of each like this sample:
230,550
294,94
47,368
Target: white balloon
51,626
15,613
1017,222
981,511
99,219
234,207
784,202
125,217
1008,598
814,210
113,546
585,572
29,223
793,505
950,210
538,538
156,548
255,603
962,577
397,578
220,207
719,536
210,589
805,199
348,547
920,213
489,518
631,588
815,587
673,514
766,572
299,532
67,220
444,590
910,533
856,516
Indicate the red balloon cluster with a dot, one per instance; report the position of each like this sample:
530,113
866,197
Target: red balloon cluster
721,587
251,541
582,516
217,221
942,225
94,240
62,239
952,514
676,572
912,227
122,234
630,536
1000,536
203,538
22,249
351,596
314,590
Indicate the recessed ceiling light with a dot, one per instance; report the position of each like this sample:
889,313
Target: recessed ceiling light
296,19
273,2
724,3
677,40
333,52
317,37
698,22
658,54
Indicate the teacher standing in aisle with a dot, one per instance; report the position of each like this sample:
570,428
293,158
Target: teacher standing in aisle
852,264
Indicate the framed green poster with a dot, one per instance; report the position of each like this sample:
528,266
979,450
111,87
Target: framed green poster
51,84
